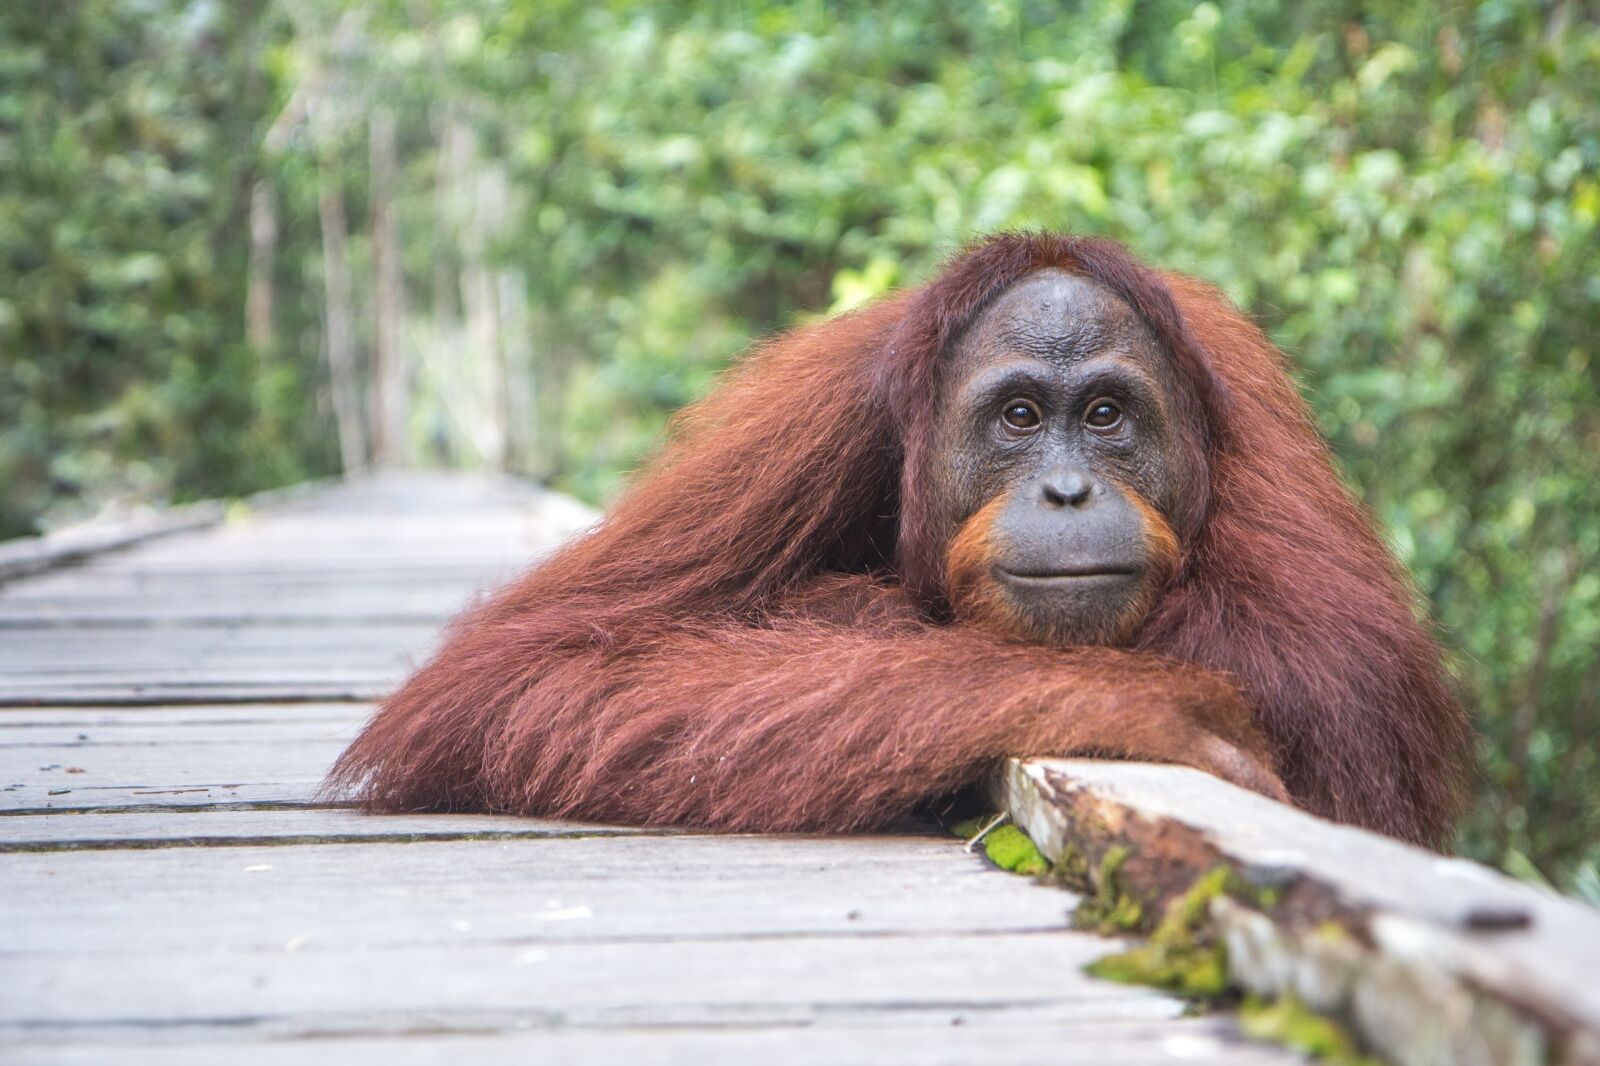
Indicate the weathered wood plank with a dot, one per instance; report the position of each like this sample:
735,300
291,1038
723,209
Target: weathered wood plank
1016,1036
1440,959
208,666
313,540
131,570
457,509
553,884
173,695
179,827
238,597
243,676
421,605
112,718
41,649
718,931
245,794
24,801
32,555
46,649
50,650
722,980
446,558
187,771
157,758
101,734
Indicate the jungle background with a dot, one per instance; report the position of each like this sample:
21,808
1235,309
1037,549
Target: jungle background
245,243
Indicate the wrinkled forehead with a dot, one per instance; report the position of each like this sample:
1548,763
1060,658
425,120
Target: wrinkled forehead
1060,318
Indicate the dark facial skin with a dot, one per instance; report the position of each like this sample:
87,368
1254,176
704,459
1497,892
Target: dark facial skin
1058,421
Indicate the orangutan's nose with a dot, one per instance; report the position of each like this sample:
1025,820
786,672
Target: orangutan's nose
1066,486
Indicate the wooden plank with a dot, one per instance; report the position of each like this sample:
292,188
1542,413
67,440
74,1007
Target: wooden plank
213,665
31,555
97,587
38,647
1437,959
419,605
98,830
140,747
60,760
555,518
489,550
101,730
180,771
115,718
112,661
629,933
254,675
380,635
444,558
1017,1036
325,537
547,886
106,625
172,695
132,569
136,761
381,540
19,802
737,980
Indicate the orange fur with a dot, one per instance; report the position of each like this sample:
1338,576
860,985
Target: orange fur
975,597
1161,544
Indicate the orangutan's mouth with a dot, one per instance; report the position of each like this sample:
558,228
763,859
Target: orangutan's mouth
1077,573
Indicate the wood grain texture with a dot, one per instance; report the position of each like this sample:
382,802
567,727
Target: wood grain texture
911,1037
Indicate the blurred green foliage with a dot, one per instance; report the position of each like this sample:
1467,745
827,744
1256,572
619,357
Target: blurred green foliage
127,143
1405,194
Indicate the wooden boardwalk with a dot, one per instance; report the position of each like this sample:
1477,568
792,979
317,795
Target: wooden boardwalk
170,893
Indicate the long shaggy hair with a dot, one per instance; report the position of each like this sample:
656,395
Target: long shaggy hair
758,637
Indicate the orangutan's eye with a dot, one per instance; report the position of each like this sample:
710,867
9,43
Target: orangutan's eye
1021,416
1103,415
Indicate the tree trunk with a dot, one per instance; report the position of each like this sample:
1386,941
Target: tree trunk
477,196
480,300
339,331
389,385
258,285
516,361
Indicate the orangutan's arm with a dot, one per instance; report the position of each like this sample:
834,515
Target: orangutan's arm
804,725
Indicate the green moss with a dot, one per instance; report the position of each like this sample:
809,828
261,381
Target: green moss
1112,908
1188,914
1289,1022
1006,846
1010,849
1072,869
1195,970
1183,955
1180,954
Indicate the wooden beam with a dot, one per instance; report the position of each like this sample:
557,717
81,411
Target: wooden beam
32,555
1429,959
